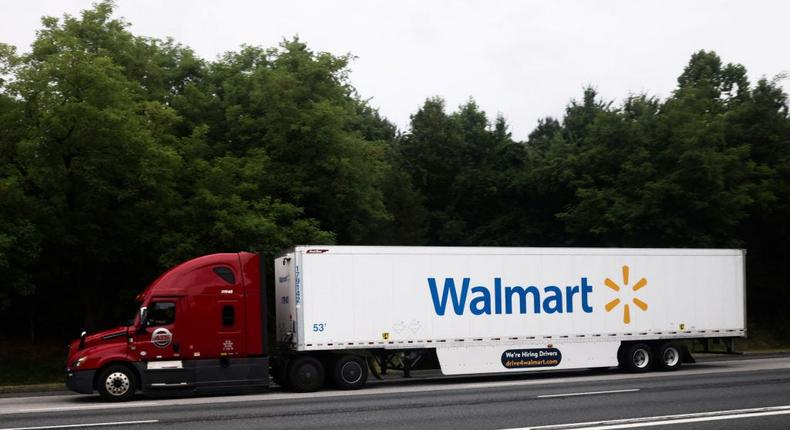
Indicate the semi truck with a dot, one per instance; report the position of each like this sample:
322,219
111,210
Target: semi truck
342,312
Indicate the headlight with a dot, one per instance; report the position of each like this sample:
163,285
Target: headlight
78,362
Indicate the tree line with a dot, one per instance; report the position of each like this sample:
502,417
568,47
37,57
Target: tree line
122,155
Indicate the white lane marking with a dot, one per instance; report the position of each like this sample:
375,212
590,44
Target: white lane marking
664,420
83,407
16,405
588,393
70,426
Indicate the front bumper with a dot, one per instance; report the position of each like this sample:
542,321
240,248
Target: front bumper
80,381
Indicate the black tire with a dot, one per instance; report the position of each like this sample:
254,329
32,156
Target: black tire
669,356
117,383
305,374
349,372
637,357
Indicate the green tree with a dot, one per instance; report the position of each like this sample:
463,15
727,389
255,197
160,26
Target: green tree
299,108
20,237
463,165
87,155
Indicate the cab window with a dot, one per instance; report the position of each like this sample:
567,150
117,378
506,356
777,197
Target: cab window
226,274
228,316
161,313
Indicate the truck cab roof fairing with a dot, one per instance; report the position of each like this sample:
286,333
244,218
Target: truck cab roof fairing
173,282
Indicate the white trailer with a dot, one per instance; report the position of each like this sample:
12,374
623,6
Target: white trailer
492,310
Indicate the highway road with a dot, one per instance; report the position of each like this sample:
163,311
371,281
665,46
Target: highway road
730,393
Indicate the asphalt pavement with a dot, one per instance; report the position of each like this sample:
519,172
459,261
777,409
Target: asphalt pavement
751,393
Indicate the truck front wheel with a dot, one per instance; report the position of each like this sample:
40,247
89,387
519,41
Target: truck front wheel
305,374
350,372
117,383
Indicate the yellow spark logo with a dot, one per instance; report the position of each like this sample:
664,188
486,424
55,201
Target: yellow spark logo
626,308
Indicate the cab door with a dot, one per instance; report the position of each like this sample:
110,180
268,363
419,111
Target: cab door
157,344
228,329
223,346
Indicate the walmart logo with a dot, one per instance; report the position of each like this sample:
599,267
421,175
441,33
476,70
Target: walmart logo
481,299
635,300
462,295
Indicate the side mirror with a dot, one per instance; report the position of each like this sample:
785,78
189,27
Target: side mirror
143,319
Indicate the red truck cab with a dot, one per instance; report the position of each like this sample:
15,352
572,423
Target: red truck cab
200,328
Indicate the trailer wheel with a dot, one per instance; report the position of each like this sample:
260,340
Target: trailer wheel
305,374
637,357
669,356
117,383
350,372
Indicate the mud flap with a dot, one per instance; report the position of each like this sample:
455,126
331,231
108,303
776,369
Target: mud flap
687,357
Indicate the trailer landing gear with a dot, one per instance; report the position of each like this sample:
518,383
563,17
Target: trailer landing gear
403,360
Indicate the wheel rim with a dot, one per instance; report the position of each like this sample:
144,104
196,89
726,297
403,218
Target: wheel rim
117,383
351,372
671,357
641,358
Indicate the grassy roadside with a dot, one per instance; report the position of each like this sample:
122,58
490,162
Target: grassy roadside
31,367
32,388
766,337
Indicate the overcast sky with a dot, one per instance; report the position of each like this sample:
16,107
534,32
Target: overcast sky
523,59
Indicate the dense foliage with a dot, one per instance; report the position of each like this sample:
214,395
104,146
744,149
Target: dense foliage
121,155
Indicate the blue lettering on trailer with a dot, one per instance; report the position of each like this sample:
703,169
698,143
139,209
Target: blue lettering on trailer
482,301
298,285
